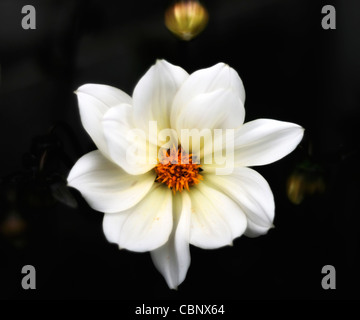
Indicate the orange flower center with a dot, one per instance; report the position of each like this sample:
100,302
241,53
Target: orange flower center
176,170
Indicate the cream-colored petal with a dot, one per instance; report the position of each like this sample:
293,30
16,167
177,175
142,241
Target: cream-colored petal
215,219
219,109
264,141
173,258
253,195
154,94
144,227
105,186
127,145
94,100
219,76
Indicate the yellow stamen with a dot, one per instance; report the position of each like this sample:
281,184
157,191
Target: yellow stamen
179,172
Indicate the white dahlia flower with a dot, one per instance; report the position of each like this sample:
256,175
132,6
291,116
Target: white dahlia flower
161,191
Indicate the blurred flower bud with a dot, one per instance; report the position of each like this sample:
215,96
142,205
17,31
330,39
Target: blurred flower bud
13,225
186,19
306,180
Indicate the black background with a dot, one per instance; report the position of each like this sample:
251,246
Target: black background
292,69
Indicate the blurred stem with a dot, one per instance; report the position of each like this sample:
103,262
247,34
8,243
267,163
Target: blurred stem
42,160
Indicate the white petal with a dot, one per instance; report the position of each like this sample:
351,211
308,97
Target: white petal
264,141
219,109
154,94
144,227
216,219
105,186
252,193
128,147
253,230
173,258
112,225
94,100
220,76
109,96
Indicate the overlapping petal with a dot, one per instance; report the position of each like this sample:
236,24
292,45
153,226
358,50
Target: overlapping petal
173,258
206,81
253,195
216,219
154,94
94,100
105,186
128,146
218,109
144,227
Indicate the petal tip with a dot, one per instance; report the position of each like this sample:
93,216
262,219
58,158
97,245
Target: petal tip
160,61
79,90
163,63
222,64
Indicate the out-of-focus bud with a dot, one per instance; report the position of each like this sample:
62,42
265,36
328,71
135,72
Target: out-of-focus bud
186,19
306,180
13,225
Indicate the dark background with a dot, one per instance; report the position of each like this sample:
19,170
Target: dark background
292,69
